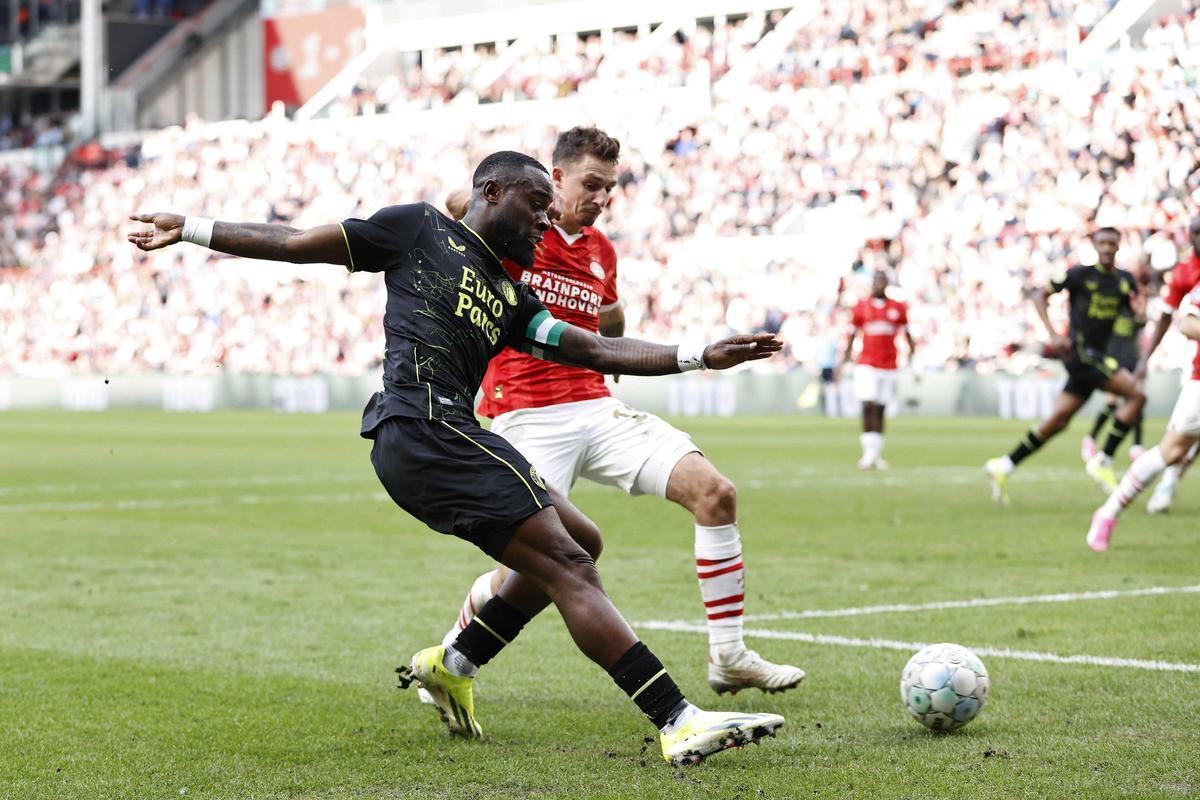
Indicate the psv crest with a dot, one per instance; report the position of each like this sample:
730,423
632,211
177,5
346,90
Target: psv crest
596,269
509,292
893,314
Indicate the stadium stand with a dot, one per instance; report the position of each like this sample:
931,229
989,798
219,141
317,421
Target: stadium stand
966,148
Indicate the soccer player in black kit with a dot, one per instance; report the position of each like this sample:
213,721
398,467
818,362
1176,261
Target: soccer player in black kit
450,309
1098,294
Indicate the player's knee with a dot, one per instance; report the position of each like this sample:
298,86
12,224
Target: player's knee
718,498
574,564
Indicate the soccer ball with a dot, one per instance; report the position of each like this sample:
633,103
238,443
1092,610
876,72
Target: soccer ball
944,686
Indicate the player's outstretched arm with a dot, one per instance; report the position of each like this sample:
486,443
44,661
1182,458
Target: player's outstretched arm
324,244
1041,302
634,357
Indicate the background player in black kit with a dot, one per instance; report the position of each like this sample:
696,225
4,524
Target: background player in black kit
450,309
1098,294
1125,345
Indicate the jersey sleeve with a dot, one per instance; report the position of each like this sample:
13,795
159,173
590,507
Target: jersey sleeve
535,330
378,243
856,316
1067,279
903,313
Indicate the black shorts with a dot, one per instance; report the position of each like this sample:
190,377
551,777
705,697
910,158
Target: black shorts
458,479
1088,372
1126,352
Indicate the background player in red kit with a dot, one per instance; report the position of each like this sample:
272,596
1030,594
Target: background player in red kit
565,421
1184,278
881,319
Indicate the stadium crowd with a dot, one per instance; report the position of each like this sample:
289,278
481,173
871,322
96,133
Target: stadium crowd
972,182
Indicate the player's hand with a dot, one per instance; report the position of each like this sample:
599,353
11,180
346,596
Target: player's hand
167,230
740,349
1059,347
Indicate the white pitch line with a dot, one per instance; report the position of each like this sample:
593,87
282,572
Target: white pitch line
194,502
912,647
976,602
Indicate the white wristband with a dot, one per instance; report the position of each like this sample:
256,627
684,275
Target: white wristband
197,230
691,357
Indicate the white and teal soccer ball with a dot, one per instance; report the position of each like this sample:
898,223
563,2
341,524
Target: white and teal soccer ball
944,686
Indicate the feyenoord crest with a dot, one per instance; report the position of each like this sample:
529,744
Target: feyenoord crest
597,270
533,473
509,292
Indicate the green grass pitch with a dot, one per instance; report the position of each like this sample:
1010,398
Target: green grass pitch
212,606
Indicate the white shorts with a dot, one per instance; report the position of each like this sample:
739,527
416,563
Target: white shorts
602,440
874,385
1185,419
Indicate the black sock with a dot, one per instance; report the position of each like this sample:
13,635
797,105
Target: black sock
1102,418
496,624
1027,446
1137,430
642,676
1115,436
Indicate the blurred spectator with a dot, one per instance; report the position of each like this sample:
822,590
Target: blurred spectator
959,147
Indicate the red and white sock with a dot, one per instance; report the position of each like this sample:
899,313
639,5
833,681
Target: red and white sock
722,587
1140,475
481,592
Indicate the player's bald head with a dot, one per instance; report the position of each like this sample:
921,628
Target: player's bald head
508,167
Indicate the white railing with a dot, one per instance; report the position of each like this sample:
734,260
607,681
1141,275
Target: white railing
1126,14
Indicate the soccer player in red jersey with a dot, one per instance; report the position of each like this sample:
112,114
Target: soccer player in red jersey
567,423
1184,278
881,319
1181,438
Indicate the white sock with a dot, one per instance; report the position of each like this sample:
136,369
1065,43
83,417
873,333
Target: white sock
722,579
876,444
1140,475
477,597
680,720
1170,477
864,439
458,664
